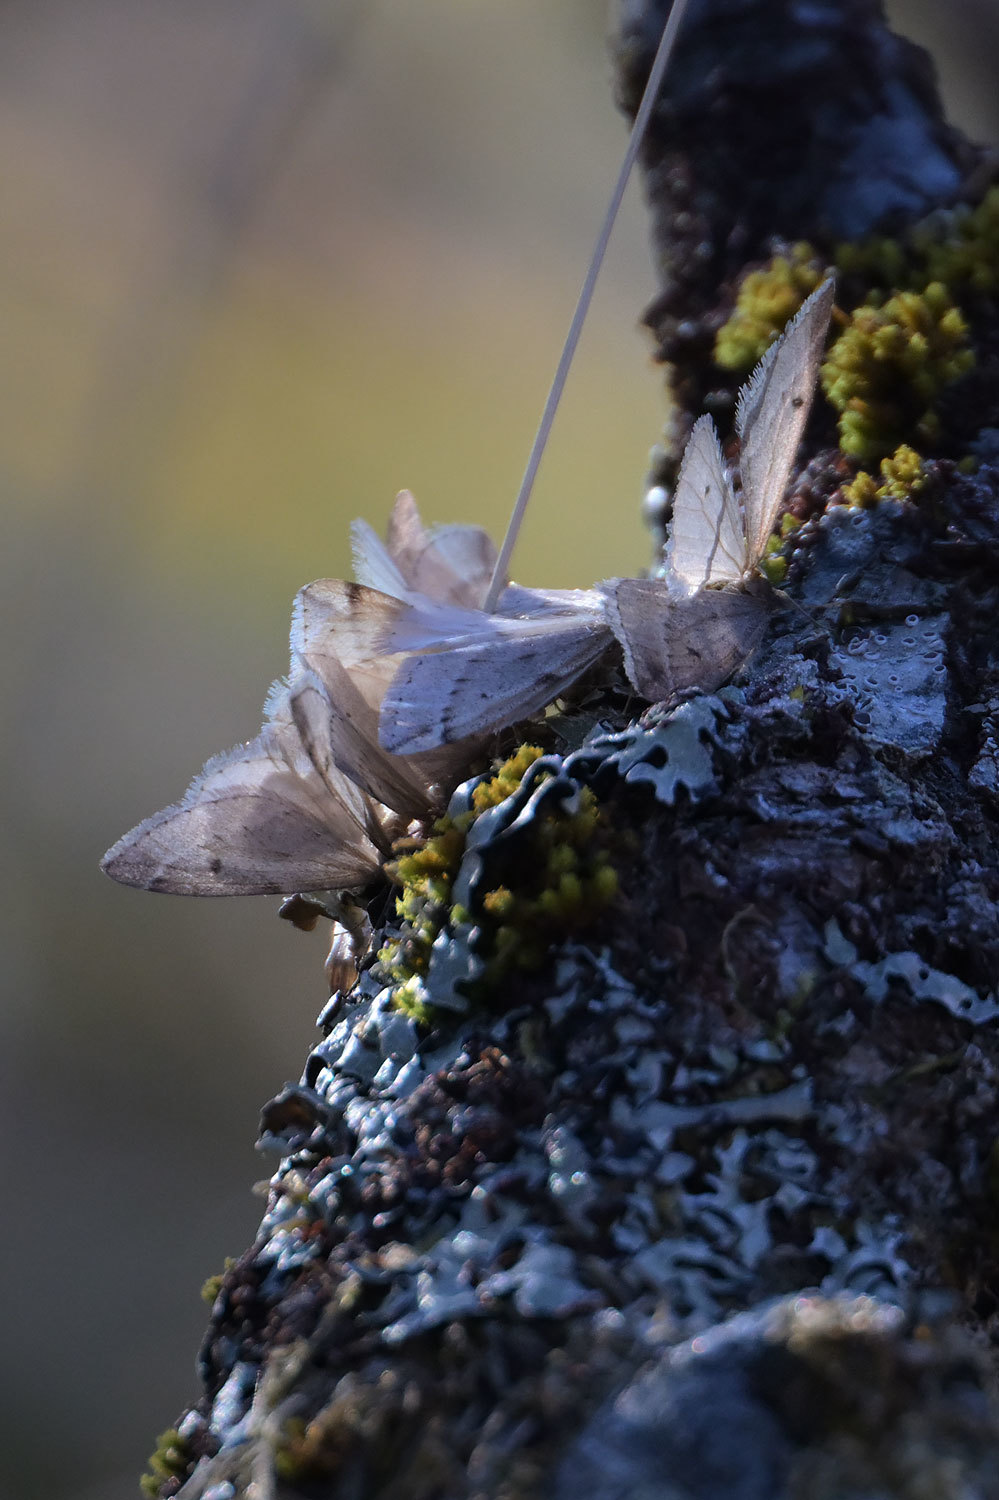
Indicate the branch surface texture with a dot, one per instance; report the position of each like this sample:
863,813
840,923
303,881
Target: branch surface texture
653,1151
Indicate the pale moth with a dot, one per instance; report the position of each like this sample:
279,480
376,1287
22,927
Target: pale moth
471,672
314,802
694,627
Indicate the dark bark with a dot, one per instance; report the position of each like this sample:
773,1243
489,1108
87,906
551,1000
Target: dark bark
781,120
764,1082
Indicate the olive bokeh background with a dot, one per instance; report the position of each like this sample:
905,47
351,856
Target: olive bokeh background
262,263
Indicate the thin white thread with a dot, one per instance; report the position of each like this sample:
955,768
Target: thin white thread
642,118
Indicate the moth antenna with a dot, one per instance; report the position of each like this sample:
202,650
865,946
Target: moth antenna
659,66
785,598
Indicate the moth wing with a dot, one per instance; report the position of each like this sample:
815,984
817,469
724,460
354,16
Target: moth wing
424,625
341,631
347,624
452,564
706,541
407,537
257,821
339,729
457,566
771,413
374,566
671,642
519,602
448,695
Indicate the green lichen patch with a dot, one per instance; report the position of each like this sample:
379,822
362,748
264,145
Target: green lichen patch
561,882
169,1460
902,476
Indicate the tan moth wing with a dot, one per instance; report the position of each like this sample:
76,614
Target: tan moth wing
771,413
674,642
706,541
350,742
259,820
452,564
673,639
337,630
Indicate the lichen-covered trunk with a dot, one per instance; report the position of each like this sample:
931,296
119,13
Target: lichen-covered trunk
679,1176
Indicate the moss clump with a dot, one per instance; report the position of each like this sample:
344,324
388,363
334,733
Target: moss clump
568,881
560,882
906,337
902,476
301,1457
212,1285
889,365
169,1460
957,246
773,563
880,266
767,301
426,876
960,246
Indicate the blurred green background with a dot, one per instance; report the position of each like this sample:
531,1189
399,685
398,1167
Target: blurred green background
264,262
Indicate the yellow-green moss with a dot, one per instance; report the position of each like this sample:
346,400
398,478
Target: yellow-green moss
902,476
289,1463
888,366
565,880
426,876
890,359
957,246
902,336
212,1285
773,563
767,301
507,779
879,265
169,1460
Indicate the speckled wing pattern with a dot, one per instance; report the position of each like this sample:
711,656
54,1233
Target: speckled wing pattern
258,820
706,541
426,625
674,642
771,413
447,695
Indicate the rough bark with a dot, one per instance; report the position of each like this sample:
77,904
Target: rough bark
503,1240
